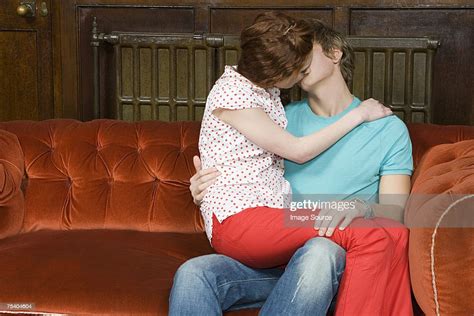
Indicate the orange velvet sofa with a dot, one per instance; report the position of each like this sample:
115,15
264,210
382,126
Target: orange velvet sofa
96,217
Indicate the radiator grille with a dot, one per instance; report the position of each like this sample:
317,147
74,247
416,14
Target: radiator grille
168,76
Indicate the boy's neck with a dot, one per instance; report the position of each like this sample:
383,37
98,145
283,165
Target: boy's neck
330,97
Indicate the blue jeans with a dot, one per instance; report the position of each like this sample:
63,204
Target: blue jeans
211,284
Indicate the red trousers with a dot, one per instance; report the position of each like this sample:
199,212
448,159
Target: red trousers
376,277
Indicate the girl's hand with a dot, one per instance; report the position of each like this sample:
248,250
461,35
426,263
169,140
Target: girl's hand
371,110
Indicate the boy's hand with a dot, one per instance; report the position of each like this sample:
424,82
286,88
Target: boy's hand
201,180
329,218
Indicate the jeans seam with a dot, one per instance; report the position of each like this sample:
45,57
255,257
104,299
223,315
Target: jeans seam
245,281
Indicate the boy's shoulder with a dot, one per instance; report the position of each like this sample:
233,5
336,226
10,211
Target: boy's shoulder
391,123
391,129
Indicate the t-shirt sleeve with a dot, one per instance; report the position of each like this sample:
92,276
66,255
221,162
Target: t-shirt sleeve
398,157
233,96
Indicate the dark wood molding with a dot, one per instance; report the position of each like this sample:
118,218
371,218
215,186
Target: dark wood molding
285,3
57,66
69,64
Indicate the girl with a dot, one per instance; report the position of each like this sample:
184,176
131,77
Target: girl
243,135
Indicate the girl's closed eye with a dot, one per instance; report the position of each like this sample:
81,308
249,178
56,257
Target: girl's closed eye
305,71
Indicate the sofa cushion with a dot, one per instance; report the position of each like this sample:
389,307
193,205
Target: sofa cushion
108,174
440,215
98,271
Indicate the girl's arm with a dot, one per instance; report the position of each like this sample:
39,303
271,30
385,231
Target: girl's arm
258,127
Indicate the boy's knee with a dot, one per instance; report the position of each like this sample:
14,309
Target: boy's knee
397,231
318,245
317,265
320,251
373,238
192,271
401,238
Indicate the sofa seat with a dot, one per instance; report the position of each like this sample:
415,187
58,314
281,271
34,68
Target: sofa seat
95,271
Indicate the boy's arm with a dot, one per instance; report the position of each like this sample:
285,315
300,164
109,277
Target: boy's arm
393,195
395,171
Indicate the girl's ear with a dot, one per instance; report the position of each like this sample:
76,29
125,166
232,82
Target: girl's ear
336,55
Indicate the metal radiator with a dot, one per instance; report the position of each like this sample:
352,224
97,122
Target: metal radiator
168,76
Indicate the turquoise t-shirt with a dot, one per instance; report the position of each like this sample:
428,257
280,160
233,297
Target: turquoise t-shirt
353,166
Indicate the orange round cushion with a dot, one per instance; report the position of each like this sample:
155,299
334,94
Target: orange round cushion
440,215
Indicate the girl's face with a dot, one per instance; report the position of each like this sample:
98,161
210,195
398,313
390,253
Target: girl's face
322,67
296,77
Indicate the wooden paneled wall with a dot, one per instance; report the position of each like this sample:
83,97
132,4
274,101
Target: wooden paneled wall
451,23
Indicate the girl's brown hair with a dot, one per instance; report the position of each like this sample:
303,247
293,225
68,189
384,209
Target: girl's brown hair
274,47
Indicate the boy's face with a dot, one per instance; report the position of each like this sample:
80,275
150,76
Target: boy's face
297,76
321,67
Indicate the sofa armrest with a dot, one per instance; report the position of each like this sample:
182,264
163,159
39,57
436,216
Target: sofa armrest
11,166
9,181
440,216
425,136
11,175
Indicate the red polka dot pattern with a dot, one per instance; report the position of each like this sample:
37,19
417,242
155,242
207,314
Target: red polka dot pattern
250,175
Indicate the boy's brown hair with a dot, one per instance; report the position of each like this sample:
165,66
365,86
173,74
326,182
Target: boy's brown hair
330,39
274,47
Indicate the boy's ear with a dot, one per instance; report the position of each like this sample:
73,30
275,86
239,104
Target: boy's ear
336,55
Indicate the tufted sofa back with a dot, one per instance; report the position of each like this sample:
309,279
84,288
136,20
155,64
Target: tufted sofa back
425,136
110,174
107,174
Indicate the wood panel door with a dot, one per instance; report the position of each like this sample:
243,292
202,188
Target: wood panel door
26,77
